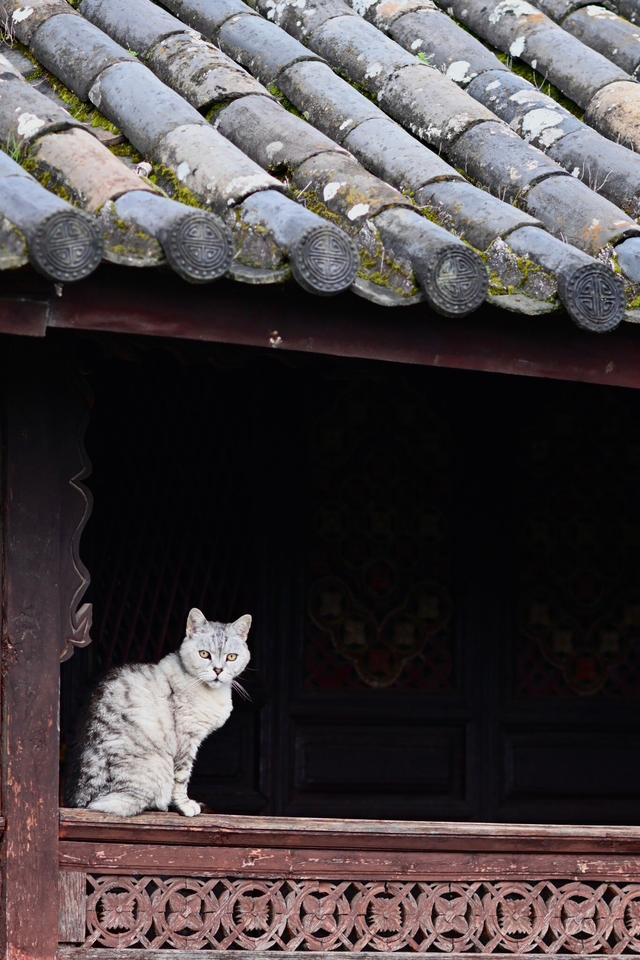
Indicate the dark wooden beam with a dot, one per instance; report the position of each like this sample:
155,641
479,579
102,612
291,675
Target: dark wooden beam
287,318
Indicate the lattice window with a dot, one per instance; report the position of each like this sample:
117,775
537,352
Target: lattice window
167,462
544,917
379,608
579,529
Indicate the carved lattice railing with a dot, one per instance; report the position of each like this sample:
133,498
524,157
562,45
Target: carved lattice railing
238,884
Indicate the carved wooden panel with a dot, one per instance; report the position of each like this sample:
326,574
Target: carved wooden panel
536,917
578,520
379,611
76,502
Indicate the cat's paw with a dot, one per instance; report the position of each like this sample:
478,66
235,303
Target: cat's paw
190,808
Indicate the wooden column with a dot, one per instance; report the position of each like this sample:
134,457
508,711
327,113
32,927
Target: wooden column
39,569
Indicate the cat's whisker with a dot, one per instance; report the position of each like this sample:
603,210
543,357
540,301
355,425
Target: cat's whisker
237,686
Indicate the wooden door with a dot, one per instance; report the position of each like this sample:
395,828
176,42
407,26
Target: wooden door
377,709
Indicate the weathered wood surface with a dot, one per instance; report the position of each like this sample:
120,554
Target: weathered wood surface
30,671
303,833
151,885
71,890
320,863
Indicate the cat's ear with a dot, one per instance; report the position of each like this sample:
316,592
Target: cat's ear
195,620
240,627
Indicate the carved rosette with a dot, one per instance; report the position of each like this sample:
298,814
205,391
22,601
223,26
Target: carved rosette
468,917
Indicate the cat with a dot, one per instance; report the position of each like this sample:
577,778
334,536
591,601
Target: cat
146,722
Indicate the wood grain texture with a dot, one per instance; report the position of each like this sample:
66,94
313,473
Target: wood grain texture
303,833
30,672
72,893
250,861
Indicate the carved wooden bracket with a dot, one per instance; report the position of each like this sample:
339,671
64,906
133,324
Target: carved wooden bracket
76,504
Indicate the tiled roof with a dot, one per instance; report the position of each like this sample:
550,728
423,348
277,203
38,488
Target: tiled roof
410,150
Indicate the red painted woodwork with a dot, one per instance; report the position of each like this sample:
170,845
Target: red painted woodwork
492,340
43,510
30,650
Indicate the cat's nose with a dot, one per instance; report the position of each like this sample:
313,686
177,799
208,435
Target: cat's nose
218,670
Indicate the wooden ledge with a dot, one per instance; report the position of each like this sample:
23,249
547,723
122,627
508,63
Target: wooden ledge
309,833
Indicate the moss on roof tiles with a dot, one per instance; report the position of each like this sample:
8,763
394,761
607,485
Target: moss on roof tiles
522,69
276,92
79,110
166,179
162,177
126,151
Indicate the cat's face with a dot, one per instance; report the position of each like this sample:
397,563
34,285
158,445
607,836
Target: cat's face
216,653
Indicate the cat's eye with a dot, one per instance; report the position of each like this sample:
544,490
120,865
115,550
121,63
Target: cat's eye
232,656
205,654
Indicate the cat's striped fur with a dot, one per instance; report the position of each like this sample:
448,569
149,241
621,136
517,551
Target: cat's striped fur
146,722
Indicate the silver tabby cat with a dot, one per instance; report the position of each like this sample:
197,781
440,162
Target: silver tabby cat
147,721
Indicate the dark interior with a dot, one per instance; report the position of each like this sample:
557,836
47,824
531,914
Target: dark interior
443,570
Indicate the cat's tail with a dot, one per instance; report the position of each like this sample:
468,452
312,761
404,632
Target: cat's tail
119,803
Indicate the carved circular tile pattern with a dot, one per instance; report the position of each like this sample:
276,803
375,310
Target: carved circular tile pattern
543,917
199,247
319,917
119,912
516,916
324,261
625,912
457,283
185,914
594,298
451,917
66,246
254,915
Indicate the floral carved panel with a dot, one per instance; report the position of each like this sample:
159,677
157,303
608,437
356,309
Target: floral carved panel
544,917
578,621
378,542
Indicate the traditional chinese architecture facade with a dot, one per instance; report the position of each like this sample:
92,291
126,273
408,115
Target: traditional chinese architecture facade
211,213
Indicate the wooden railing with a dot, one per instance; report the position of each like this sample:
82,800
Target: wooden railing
159,885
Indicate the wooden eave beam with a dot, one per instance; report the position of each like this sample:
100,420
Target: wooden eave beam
285,318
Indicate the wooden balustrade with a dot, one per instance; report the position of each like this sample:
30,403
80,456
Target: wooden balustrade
158,885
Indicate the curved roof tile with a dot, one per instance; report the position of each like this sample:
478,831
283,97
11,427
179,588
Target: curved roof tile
298,135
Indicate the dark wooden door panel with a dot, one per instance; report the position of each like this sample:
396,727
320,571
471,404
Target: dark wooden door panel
414,767
571,774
